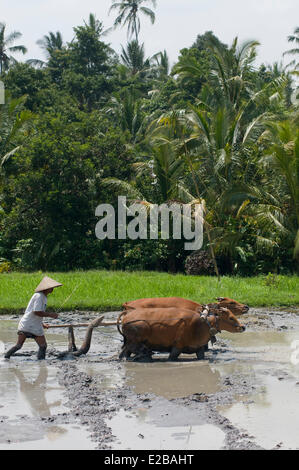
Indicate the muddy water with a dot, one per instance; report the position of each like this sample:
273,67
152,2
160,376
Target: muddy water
247,386
161,378
272,414
173,380
146,433
30,397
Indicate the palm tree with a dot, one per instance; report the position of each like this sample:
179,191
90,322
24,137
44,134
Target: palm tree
51,43
230,68
222,155
128,11
175,128
96,25
54,41
14,123
271,209
294,38
127,110
229,71
133,57
6,47
165,170
162,63
216,143
282,156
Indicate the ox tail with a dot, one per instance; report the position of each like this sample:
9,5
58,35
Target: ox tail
119,322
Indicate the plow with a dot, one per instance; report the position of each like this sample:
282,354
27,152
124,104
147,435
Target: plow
72,348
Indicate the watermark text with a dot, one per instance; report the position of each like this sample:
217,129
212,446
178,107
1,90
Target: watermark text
141,221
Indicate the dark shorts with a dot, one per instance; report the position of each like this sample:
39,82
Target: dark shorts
28,335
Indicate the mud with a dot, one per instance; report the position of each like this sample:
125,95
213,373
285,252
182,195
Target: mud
244,395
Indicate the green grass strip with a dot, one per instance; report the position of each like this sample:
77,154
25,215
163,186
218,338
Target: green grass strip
107,290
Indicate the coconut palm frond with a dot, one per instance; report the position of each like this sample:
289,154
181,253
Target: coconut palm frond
122,188
142,168
6,157
264,244
6,48
128,14
185,195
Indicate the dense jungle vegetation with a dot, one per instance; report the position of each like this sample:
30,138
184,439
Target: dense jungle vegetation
87,125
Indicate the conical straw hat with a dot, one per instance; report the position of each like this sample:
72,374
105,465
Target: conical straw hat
47,283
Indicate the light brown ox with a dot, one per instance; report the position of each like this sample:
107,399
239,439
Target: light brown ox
166,302
172,330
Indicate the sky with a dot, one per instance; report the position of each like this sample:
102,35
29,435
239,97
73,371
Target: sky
178,22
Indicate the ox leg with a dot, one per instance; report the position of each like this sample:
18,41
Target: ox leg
200,353
213,341
122,353
143,353
174,354
125,352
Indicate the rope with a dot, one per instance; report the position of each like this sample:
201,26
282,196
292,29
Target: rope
64,302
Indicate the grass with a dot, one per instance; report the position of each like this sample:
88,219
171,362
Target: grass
107,290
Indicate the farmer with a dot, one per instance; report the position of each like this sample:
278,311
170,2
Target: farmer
31,324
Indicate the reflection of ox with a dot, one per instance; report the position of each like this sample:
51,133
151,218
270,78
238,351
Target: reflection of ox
166,302
172,330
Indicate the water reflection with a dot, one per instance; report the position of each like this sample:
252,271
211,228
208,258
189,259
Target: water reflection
271,416
173,380
34,391
146,433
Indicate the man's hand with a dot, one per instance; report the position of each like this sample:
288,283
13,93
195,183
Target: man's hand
46,326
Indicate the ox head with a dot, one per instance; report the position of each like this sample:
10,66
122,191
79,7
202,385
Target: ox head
229,322
235,307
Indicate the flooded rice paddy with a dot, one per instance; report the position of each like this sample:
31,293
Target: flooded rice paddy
244,395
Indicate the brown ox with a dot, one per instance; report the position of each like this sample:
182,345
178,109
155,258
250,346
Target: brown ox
166,302
172,330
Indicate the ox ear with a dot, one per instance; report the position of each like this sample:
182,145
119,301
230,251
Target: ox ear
219,299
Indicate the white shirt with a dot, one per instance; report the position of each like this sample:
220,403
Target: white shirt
30,322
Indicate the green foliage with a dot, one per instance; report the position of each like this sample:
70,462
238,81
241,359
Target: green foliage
84,126
53,187
271,280
5,266
25,255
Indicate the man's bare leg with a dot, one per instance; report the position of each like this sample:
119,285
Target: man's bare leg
42,343
17,347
